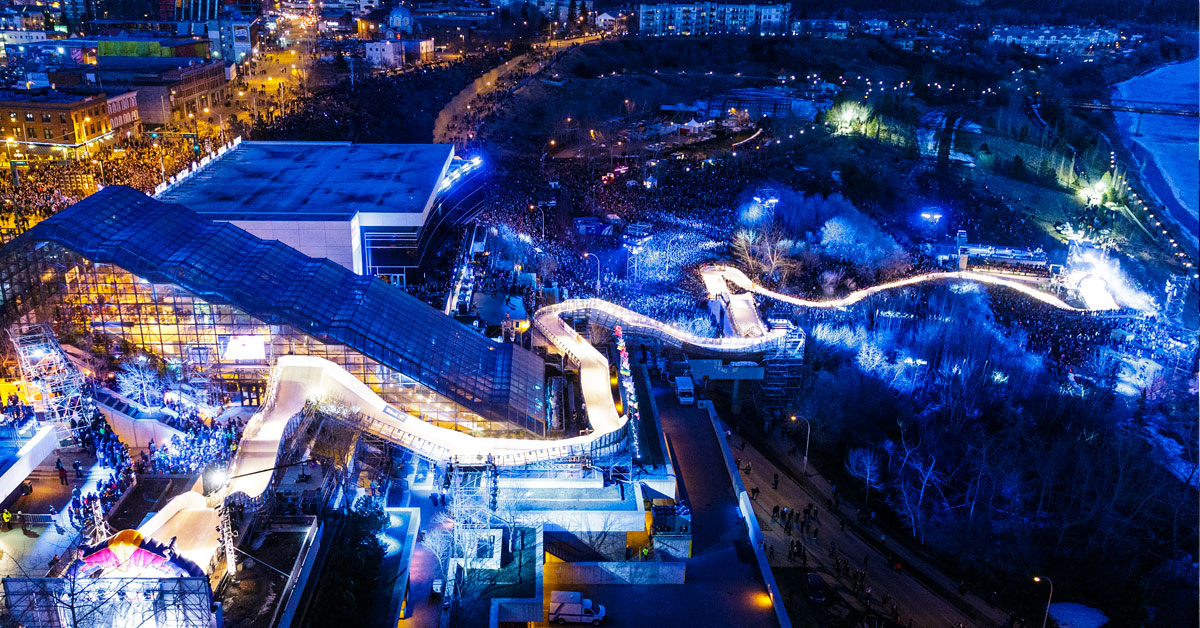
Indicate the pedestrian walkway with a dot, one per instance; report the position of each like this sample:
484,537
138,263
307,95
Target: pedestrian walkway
424,608
28,550
857,559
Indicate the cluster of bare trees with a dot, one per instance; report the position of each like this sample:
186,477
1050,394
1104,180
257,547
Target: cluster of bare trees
985,457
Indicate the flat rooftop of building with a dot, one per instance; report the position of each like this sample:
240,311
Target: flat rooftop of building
151,64
314,181
608,498
42,96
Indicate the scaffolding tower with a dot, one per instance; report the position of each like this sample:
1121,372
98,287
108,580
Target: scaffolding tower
55,385
783,371
1176,295
84,602
472,495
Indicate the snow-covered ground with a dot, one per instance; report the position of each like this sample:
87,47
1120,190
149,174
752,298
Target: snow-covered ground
1135,374
1170,141
1072,615
1172,454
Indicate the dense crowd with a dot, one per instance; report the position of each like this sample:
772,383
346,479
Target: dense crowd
354,112
1068,339
203,443
40,189
97,436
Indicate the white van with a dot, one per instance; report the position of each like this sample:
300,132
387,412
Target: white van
571,606
685,392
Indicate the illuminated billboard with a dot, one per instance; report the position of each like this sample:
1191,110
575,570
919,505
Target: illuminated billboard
243,348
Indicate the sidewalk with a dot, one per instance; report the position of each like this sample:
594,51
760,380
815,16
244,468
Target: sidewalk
424,608
28,551
862,548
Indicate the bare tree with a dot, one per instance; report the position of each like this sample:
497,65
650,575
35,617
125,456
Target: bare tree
864,464
914,478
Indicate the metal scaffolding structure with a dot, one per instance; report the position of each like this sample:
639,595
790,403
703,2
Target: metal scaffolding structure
1176,295
54,383
782,373
82,602
472,495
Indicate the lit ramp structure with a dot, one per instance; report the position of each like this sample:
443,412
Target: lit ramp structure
714,275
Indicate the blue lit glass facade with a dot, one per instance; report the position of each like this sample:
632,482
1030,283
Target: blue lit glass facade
223,304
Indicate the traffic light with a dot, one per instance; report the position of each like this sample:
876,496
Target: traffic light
154,136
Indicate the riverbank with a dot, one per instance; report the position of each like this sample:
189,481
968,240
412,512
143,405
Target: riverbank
1164,148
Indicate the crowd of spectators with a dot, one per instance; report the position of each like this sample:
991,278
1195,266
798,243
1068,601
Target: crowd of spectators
97,436
389,108
13,413
1067,338
203,442
41,189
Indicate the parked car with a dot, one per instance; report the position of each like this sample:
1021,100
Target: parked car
816,588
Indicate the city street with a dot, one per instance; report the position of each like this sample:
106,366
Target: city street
865,547
268,83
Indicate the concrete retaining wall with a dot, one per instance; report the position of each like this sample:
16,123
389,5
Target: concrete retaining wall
31,454
637,572
138,433
747,509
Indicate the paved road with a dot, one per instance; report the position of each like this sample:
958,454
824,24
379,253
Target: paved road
912,589
723,584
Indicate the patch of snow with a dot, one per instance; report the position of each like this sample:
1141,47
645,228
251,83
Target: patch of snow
1172,455
1073,615
1135,374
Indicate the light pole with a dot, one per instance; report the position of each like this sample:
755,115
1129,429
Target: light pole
807,435
83,144
1048,600
597,271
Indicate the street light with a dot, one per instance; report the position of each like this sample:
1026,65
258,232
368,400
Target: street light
807,434
1047,615
585,255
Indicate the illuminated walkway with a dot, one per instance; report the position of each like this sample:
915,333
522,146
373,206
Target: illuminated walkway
714,275
297,379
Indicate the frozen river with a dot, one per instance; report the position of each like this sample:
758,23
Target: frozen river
1167,148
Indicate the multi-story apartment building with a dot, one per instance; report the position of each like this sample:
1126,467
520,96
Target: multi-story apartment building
1052,40
49,118
713,18
123,116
